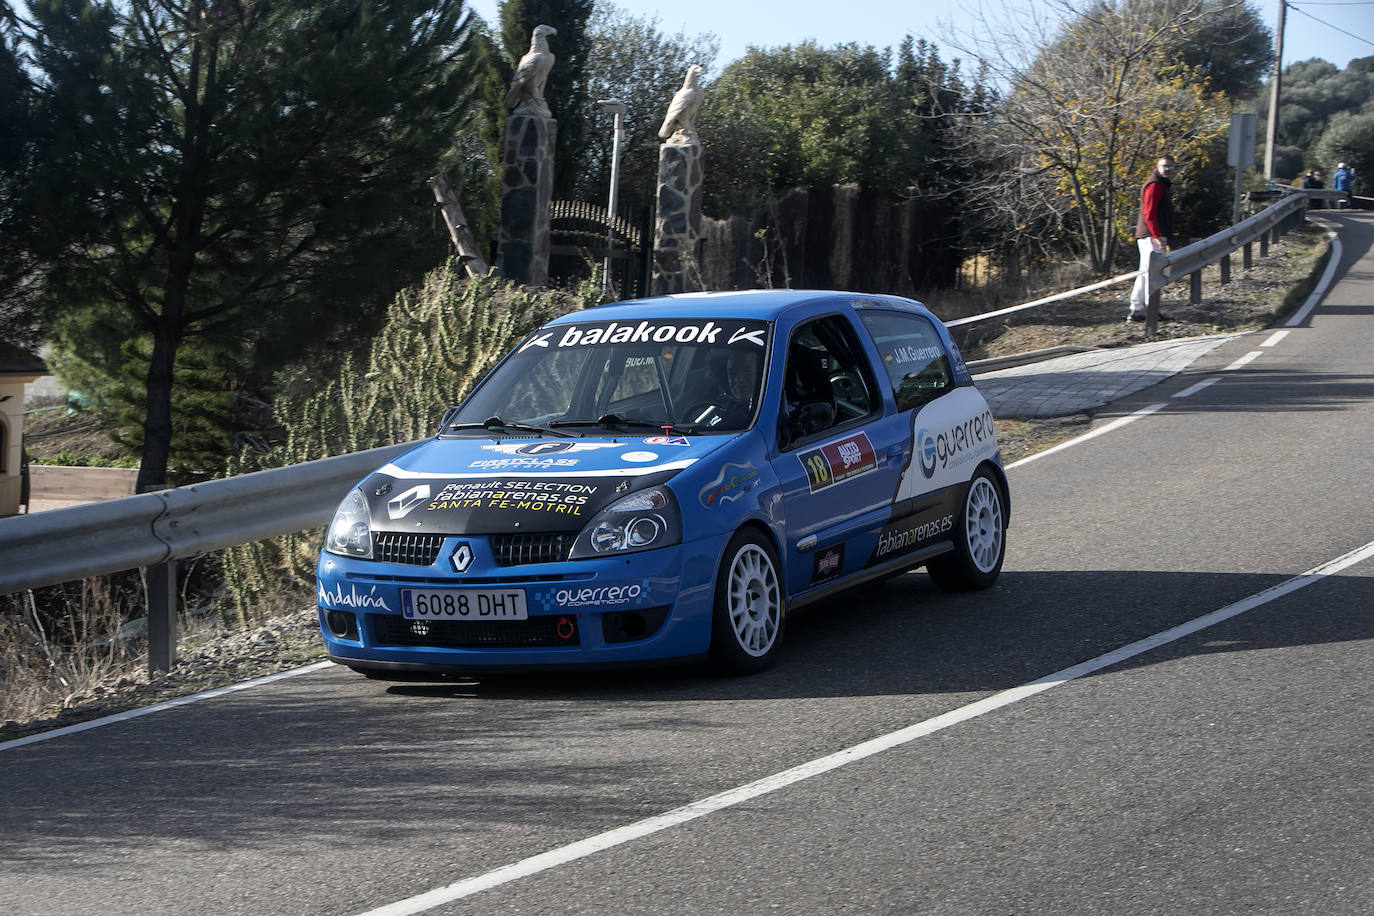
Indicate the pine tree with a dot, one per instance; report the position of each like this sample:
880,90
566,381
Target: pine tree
248,174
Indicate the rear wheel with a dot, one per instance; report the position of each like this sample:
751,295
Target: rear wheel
747,621
980,540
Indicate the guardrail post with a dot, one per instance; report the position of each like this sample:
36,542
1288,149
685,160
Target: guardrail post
1264,246
162,616
1225,265
1245,257
1195,287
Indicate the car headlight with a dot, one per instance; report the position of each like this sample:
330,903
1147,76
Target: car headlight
645,520
350,533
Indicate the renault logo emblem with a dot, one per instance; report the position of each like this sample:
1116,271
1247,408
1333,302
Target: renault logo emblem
462,557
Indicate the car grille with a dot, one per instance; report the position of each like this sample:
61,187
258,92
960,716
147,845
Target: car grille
536,632
519,549
405,548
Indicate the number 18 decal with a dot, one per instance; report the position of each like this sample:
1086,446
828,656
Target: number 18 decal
839,460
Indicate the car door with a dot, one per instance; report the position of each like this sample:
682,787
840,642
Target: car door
948,423
840,451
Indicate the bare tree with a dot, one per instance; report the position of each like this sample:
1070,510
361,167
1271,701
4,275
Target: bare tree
1093,94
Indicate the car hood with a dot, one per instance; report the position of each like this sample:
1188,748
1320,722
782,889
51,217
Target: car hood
496,486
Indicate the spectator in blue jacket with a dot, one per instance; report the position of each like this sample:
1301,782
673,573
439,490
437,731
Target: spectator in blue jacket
1341,182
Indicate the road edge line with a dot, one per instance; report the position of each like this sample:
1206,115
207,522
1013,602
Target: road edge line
166,704
1093,434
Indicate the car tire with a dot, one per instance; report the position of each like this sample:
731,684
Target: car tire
748,617
980,540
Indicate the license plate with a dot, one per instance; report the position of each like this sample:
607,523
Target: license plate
463,604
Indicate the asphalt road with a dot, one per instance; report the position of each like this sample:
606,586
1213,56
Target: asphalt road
1230,770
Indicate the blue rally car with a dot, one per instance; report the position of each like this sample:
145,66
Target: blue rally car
668,479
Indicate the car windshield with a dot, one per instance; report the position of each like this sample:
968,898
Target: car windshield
680,375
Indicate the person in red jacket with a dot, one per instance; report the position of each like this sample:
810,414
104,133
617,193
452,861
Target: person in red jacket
1152,230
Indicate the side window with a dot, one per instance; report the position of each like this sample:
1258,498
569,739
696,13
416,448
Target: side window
824,382
913,355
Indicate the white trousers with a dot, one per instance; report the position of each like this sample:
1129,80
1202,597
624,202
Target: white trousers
1140,292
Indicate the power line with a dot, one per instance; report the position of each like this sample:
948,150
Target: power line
1295,8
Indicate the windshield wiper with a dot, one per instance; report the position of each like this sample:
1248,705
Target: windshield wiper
497,425
614,421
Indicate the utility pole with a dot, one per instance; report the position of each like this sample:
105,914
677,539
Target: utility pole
1273,129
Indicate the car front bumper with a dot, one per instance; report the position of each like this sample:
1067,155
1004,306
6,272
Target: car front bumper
627,609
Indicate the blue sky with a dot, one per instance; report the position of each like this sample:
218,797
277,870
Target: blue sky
882,23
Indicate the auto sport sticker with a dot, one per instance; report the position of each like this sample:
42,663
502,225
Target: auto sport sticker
949,437
594,596
912,356
733,481
522,464
955,445
545,447
645,332
827,563
354,598
959,367
838,460
667,440
639,457
910,533
547,496
400,506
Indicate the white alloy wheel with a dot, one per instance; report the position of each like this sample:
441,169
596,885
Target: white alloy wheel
980,539
983,524
753,600
749,612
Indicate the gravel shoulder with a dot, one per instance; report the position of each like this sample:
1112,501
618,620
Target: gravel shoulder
212,655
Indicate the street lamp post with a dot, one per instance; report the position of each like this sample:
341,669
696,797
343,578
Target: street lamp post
617,108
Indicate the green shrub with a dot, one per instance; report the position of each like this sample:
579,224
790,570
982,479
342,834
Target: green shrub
440,338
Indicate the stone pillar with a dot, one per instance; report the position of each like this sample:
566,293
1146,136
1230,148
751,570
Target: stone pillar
526,194
677,222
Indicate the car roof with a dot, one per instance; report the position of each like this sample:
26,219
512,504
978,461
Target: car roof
759,304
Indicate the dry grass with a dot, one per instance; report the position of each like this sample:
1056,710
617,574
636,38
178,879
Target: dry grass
48,660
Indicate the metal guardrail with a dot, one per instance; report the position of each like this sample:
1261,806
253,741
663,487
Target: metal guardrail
1190,260
60,545
152,530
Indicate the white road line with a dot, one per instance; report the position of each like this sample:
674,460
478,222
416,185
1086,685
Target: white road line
1275,338
169,704
1115,424
1319,290
1244,360
678,816
1194,389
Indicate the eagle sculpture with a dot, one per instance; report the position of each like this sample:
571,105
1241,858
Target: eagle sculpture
677,123
526,94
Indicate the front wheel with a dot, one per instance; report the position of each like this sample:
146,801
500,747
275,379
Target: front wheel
747,621
980,540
